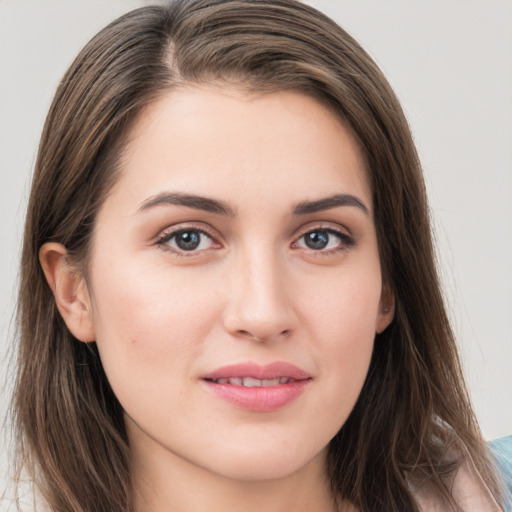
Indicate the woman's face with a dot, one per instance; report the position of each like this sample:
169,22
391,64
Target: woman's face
235,282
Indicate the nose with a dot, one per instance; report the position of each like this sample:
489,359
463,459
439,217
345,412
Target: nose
259,305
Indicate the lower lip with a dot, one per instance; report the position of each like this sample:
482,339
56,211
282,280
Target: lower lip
259,399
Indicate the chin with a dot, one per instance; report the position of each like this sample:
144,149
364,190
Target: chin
271,464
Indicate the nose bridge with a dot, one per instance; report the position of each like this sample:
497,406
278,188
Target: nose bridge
259,306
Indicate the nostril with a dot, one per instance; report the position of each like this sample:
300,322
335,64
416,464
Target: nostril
247,334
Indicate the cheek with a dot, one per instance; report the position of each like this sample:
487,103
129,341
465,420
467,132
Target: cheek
345,307
342,320
152,322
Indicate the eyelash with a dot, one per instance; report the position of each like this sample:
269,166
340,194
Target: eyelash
346,241
163,241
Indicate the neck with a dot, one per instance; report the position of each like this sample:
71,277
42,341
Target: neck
170,483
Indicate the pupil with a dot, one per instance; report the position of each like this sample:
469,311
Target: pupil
188,240
317,239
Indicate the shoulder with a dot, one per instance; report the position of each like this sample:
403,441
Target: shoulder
465,485
501,450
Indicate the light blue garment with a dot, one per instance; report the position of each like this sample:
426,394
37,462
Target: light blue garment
502,452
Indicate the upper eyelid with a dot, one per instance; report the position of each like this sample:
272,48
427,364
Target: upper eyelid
164,238
327,226
338,232
169,232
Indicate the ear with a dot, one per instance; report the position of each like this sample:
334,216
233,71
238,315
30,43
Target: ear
386,309
69,289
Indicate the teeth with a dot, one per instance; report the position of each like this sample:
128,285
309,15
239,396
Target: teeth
250,382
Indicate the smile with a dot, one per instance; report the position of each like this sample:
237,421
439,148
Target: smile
250,382
258,388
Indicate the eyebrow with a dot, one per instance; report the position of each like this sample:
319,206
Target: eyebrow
189,200
220,207
326,203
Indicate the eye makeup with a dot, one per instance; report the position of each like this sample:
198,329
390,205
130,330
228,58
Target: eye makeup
192,241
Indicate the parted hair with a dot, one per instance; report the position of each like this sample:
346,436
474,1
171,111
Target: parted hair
413,409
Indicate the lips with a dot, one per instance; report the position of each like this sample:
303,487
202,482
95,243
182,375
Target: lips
258,388
251,382
270,371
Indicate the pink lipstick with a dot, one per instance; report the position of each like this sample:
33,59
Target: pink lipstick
258,388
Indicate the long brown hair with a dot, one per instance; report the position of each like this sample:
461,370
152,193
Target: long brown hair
413,409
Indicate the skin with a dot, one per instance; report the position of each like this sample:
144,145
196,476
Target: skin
253,290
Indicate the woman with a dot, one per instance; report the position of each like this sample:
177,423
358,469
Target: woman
228,295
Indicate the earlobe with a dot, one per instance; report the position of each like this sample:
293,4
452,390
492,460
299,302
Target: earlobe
386,310
69,289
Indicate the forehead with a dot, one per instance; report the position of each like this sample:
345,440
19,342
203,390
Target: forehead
224,141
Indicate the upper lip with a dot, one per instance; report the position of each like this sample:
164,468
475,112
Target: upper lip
256,371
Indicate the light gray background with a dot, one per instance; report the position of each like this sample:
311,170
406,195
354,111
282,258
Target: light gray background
450,61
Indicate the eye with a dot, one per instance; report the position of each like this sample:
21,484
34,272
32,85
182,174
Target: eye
327,240
188,240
